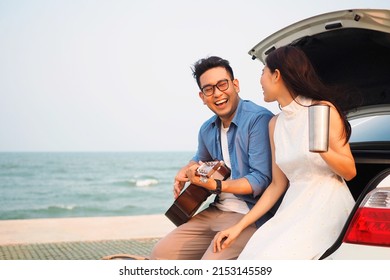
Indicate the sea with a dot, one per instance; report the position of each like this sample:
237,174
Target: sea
87,184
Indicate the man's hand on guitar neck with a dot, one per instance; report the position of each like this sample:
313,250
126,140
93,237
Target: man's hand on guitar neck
181,178
202,181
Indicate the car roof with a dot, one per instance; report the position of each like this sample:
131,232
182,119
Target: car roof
348,47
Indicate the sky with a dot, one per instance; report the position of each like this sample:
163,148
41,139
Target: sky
87,76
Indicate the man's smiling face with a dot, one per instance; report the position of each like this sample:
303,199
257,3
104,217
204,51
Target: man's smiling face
222,103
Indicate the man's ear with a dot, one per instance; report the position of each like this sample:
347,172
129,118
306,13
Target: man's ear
236,85
201,95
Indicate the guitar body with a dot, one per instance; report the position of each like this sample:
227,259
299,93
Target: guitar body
187,203
192,197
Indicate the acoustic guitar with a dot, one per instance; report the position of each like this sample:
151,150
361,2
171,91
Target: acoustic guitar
193,196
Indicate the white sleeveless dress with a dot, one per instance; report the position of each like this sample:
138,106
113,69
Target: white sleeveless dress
316,204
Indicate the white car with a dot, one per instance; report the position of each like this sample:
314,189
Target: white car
353,47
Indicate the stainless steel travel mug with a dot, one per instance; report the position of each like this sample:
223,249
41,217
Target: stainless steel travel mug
319,128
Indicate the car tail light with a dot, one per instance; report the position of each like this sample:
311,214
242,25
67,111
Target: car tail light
371,222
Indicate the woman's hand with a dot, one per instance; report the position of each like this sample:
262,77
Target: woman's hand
224,238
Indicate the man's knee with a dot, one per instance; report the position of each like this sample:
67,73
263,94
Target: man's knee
159,252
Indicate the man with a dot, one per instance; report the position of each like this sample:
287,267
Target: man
238,135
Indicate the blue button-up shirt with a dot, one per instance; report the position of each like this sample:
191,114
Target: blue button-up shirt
249,148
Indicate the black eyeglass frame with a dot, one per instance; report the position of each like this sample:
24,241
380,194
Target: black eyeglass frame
215,86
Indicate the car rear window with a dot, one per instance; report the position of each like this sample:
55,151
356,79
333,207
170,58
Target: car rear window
370,129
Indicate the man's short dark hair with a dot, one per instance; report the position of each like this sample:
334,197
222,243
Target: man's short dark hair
205,64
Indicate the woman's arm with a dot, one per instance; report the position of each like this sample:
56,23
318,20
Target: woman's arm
339,156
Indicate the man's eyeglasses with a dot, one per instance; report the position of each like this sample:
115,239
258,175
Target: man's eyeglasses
209,90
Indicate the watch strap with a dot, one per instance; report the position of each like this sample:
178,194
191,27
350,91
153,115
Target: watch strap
218,188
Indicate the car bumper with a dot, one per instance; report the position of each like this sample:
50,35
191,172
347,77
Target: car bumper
360,252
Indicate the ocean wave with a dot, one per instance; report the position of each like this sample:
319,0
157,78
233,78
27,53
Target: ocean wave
28,213
57,211
143,181
60,211
121,183
60,207
146,182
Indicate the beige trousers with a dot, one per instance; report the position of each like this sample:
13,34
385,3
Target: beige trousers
193,240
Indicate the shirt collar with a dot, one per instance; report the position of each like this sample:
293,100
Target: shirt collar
237,115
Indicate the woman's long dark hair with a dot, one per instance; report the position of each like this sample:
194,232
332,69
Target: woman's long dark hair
301,78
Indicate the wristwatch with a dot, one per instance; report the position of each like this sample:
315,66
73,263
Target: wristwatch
218,188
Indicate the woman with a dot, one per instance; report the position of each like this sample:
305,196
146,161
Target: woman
317,201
